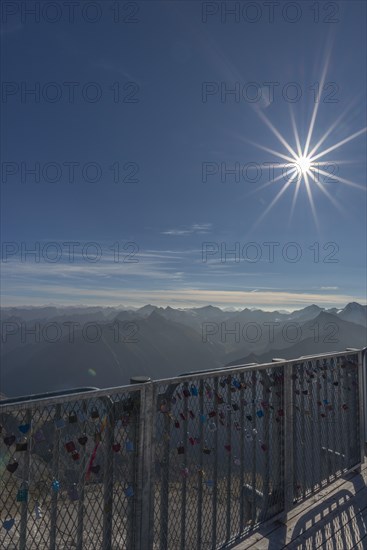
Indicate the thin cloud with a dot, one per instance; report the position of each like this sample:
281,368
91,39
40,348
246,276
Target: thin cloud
194,229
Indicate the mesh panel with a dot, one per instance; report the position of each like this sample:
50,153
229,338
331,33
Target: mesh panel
68,474
217,457
326,422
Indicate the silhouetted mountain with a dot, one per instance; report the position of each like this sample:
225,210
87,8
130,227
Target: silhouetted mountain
355,313
107,346
329,334
307,313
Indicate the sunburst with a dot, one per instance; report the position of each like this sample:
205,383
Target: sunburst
305,163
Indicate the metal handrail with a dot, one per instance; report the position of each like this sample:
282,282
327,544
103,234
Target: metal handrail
45,395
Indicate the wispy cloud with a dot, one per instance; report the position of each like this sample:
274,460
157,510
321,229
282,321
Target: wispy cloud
195,228
329,288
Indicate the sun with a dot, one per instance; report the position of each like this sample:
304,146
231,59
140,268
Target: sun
303,164
306,166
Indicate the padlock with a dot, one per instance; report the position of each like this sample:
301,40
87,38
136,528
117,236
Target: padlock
22,494
55,486
219,399
75,455
164,408
59,423
24,428
181,449
82,440
21,446
39,436
129,491
70,446
8,524
94,413
9,440
73,492
73,418
194,391
12,466
129,446
37,510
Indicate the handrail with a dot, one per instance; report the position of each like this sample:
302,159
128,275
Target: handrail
45,395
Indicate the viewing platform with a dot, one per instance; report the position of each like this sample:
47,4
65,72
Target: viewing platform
260,456
335,518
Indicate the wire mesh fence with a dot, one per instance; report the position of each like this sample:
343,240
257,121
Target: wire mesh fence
326,431
216,438
194,461
68,472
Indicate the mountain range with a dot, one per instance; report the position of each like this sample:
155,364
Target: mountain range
53,348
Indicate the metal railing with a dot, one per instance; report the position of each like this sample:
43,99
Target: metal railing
197,461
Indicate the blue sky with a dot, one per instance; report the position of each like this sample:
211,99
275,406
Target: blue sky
168,63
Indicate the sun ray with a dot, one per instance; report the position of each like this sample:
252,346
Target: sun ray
295,131
298,185
268,150
342,180
326,192
276,133
316,108
264,185
310,198
339,144
330,162
331,128
276,166
274,201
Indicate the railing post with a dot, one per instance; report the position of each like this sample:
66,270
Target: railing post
288,439
146,450
108,478
141,511
362,379
55,475
26,474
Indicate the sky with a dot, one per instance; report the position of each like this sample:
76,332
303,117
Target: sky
139,170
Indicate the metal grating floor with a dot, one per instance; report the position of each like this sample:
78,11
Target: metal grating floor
334,519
